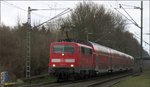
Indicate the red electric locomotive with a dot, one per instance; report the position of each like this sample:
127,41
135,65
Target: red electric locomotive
76,59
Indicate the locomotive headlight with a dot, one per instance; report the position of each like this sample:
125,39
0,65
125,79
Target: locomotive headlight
54,65
62,54
72,65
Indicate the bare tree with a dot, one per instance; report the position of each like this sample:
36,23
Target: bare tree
107,27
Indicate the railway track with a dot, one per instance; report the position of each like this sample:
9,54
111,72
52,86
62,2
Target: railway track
111,81
93,82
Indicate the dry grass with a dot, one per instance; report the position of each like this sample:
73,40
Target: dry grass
142,80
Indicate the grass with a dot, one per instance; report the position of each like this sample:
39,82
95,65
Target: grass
142,80
36,81
42,80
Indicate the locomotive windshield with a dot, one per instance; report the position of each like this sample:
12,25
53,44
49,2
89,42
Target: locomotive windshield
63,49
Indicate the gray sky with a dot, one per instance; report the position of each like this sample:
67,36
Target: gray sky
13,10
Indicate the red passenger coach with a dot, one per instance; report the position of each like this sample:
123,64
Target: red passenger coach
71,58
108,60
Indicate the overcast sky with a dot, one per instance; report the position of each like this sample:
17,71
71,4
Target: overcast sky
13,10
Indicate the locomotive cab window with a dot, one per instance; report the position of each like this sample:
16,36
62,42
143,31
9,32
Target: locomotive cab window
63,49
69,49
58,49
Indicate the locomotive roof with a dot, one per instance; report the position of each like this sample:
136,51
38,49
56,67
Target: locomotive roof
79,44
100,48
107,50
84,45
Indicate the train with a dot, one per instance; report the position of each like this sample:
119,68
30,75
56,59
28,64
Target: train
86,60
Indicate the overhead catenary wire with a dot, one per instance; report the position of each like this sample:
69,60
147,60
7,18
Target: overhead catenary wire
10,4
51,9
60,14
127,18
13,5
129,15
131,20
130,6
51,19
143,40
